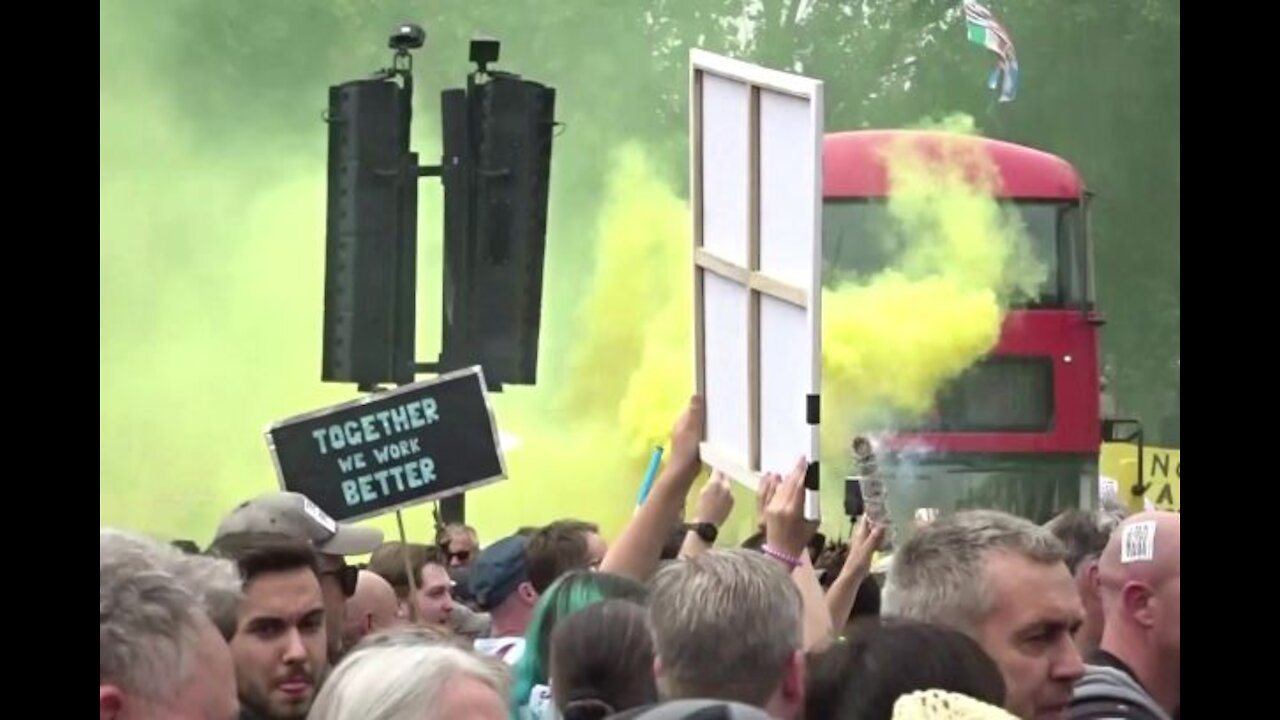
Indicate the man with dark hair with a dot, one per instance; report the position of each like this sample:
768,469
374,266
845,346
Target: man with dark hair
293,515
561,547
435,590
864,677
1085,533
394,561
433,598
279,645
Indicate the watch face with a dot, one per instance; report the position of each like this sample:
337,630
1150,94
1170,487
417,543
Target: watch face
706,531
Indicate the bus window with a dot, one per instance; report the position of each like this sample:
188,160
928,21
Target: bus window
861,239
999,394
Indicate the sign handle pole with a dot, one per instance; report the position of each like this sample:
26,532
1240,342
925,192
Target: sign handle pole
408,571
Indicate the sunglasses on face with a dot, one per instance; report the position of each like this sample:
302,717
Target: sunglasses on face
461,556
347,575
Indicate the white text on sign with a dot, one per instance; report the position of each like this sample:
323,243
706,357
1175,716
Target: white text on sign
366,488
354,433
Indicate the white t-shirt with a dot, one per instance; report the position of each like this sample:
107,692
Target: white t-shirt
541,705
509,649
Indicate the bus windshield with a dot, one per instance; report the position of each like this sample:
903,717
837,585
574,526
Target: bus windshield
860,239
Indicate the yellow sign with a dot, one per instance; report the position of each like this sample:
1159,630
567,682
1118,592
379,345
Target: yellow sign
1162,475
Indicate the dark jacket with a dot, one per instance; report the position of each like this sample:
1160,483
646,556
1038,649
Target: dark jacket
1112,692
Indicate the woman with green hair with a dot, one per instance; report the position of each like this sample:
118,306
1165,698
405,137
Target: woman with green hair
531,695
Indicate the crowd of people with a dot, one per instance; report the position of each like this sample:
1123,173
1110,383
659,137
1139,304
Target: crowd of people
978,614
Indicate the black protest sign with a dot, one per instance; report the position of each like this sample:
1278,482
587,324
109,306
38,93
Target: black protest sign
413,444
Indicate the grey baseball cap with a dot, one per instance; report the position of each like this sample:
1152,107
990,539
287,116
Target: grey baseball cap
292,514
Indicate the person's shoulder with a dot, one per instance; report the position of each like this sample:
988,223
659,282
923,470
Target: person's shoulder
1107,692
508,649
1103,708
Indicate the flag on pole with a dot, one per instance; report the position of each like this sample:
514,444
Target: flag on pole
985,30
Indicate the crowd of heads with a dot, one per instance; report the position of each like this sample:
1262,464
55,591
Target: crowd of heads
276,619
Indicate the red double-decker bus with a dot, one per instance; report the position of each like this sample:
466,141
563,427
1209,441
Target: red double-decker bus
1019,431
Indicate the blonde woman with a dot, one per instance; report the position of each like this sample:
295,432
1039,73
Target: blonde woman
405,675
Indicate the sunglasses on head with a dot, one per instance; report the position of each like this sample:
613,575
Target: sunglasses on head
347,576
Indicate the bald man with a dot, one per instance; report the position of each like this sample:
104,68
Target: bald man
1136,673
372,607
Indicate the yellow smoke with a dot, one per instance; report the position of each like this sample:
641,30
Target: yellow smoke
633,358
634,363
890,341
586,441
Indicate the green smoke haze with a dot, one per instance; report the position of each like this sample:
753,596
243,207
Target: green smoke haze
212,250
212,192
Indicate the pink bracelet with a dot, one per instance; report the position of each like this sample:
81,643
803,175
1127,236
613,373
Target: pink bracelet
792,562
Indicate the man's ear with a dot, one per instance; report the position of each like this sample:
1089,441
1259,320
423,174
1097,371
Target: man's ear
1137,603
527,593
110,702
793,679
1092,578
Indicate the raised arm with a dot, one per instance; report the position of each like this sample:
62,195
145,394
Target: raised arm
639,547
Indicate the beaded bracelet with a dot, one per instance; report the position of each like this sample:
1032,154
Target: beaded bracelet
792,562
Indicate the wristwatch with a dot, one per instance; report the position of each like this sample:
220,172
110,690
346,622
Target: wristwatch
705,530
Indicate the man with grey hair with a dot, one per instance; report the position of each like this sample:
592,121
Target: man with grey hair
1001,580
1084,533
727,626
159,655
